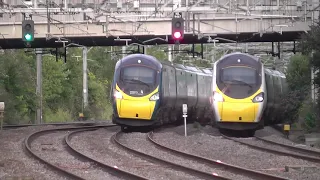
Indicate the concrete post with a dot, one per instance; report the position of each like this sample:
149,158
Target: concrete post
39,85
85,77
1,113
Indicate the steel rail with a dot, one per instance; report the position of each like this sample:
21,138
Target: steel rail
12,126
291,148
300,156
184,169
228,167
116,171
31,137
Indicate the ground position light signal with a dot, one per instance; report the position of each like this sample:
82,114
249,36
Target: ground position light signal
177,28
28,30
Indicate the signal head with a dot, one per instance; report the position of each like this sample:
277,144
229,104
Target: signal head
177,26
27,30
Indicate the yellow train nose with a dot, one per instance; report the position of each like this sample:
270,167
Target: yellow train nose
133,109
238,112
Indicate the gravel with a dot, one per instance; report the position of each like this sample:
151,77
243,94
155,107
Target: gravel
260,143
96,144
139,142
51,147
206,142
277,137
268,131
15,163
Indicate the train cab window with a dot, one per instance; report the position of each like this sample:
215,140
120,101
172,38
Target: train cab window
238,81
144,74
243,74
138,80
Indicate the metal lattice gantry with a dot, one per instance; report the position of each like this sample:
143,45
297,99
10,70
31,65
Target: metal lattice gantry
65,18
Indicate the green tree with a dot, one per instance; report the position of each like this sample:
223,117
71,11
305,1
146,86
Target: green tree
298,73
73,84
310,46
53,78
297,101
101,70
17,86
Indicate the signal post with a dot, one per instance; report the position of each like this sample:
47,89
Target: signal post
28,30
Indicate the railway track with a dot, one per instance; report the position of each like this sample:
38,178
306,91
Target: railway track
14,126
188,170
110,153
217,164
75,153
306,152
274,147
214,170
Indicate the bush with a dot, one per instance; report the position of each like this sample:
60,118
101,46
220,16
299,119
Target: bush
61,115
291,102
297,103
308,115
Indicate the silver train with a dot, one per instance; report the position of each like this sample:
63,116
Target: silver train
246,95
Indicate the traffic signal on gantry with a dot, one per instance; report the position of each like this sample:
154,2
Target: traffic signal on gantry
177,32
28,30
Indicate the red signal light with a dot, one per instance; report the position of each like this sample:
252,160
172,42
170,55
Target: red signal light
177,35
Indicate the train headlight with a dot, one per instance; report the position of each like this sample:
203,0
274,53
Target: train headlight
154,97
217,97
117,94
258,98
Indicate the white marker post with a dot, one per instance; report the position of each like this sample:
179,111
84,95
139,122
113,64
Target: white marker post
1,113
185,111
